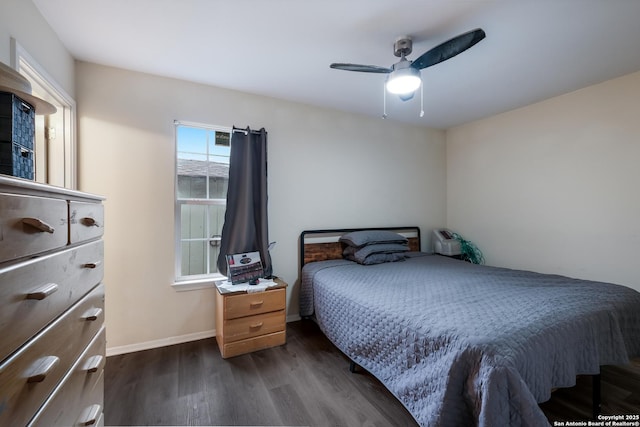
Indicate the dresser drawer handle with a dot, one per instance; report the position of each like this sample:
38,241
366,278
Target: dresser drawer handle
256,325
38,225
92,314
41,368
43,292
89,222
90,415
93,363
256,304
94,264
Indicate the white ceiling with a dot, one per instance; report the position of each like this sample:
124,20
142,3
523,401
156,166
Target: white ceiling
534,49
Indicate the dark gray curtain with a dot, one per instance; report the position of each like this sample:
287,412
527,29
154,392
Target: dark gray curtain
245,226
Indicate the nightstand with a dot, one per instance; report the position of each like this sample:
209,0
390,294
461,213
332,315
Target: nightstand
247,322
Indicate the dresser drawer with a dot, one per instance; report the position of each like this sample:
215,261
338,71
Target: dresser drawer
252,326
254,303
31,374
29,225
78,400
39,290
86,221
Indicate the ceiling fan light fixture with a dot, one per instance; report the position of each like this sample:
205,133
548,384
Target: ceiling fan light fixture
404,81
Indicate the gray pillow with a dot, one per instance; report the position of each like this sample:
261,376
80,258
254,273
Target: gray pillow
375,248
368,237
361,254
378,258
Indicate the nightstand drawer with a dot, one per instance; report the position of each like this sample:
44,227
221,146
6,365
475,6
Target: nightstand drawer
31,374
251,326
86,221
255,303
261,342
43,288
29,225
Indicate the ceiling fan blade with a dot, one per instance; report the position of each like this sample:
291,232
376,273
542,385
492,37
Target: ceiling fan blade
361,68
449,49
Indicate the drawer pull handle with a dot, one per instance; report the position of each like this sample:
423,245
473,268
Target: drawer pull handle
256,325
92,314
93,363
90,415
41,368
256,304
89,222
94,264
43,292
38,225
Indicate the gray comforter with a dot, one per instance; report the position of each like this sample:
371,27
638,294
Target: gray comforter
460,344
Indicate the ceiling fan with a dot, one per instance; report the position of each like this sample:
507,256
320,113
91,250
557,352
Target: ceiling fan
404,76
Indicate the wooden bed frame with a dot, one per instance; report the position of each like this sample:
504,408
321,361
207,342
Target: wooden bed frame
322,245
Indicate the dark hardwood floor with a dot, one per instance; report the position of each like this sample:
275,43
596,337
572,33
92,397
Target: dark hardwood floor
303,383
620,392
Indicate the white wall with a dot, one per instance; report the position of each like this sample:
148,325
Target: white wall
21,20
553,187
327,169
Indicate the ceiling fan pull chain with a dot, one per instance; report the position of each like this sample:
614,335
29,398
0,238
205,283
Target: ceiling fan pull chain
384,102
422,100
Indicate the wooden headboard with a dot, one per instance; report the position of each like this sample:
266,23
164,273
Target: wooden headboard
322,245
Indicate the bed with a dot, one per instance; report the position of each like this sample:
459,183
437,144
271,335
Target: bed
463,344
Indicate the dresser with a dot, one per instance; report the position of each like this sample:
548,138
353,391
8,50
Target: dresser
247,322
52,336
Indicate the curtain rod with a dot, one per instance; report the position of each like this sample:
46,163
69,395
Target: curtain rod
235,129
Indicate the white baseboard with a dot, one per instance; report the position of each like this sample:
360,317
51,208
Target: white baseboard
293,318
130,348
147,345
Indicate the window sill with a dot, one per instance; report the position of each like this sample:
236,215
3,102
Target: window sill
195,284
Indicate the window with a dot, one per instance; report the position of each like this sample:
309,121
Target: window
202,176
